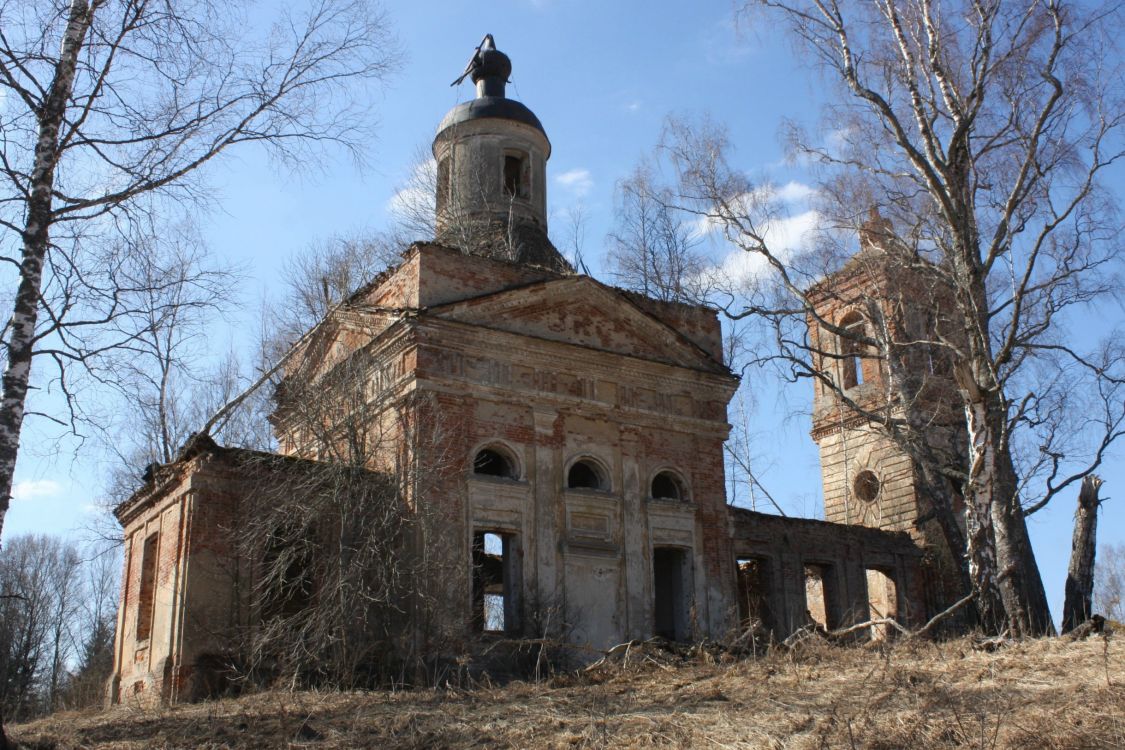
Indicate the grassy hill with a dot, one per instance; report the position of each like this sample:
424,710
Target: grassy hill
1049,693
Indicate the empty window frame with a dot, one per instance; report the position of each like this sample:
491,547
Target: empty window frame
146,595
851,360
666,485
882,601
493,462
517,177
495,587
866,486
286,578
754,593
672,593
444,184
820,596
585,474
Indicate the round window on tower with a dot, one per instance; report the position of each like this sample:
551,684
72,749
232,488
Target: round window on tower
866,486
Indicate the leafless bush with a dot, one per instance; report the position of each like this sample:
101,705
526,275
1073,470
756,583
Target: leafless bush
344,542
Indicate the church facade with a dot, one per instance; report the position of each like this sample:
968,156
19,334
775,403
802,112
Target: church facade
562,439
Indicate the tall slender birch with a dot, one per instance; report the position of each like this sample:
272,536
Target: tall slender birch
109,110
36,237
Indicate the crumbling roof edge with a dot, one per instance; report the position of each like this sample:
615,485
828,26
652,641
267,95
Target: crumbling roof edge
160,476
750,516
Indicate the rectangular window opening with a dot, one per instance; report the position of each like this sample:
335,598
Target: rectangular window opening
516,176
671,578
444,188
882,602
146,598
754,593
494,582
820,596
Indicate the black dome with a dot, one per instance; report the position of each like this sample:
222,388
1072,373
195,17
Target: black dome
494,107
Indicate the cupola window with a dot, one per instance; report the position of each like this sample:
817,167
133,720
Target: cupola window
517,177
444,188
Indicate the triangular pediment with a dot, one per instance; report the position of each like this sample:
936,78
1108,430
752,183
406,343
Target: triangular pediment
334,340
578,310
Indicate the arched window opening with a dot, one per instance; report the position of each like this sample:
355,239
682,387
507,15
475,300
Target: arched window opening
867,486
493,463
851,351
667,486
585,475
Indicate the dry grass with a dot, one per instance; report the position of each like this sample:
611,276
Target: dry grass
1051,693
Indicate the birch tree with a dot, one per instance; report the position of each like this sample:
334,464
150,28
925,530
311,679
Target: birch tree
651,249
110,111
980,131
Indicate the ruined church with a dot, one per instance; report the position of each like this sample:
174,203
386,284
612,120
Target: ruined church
563,440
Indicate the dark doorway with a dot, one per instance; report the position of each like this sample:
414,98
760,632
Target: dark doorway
754,593
671,576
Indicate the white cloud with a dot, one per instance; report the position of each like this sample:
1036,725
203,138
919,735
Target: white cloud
787,204
633,105
794,192
783,236
787,226
35,488
417,194
791,233
578,181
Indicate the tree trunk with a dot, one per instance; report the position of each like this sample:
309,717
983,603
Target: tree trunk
1010,591
36,238
1080,574
980,540
1009,566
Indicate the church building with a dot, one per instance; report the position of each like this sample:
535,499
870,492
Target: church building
559,443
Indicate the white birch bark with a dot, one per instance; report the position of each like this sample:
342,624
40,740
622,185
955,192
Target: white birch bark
979,493
36,237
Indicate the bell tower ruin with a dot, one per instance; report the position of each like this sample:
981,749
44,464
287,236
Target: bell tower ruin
879,336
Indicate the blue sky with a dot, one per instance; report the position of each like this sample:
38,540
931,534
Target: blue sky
601,76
